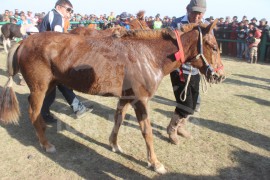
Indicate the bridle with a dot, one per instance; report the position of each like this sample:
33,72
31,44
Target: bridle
179,55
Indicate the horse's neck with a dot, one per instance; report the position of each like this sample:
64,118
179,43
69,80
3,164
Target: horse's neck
190,44
188,41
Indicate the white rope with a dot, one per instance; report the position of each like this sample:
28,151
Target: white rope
204,83
184,92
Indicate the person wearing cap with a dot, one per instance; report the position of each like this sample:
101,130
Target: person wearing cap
54,21
254,20
195,13
124,20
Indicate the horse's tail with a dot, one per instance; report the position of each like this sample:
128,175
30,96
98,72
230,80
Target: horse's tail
9,106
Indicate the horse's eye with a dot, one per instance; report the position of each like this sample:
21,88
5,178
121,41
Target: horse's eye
215,48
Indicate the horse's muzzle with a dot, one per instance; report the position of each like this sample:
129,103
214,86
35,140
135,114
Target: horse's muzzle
216,78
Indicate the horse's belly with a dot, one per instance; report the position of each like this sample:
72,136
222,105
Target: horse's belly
106,87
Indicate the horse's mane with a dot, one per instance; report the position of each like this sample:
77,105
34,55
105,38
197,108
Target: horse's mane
155,34
144,34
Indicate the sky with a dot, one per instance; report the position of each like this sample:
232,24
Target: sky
215,8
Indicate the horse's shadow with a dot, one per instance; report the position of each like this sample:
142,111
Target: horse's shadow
252,77
162,100
99,109
242,83
250,137
249,166
256,100
86,162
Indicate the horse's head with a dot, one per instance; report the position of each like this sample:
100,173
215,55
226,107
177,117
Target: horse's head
203,52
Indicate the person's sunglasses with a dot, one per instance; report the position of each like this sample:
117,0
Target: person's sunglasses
70,10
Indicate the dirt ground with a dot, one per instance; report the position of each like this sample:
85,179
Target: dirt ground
231,135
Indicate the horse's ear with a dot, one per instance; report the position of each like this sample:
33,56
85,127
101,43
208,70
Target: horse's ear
211,26
188,27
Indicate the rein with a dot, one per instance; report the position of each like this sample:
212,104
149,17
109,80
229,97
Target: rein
179,56
200,55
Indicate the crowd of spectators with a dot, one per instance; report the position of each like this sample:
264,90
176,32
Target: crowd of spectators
228,28
244,31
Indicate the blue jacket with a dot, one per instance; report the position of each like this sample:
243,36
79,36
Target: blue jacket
53,21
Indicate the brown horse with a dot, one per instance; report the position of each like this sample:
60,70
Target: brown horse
130,67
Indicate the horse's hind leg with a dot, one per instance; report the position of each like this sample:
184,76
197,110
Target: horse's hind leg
118,119
35,103
141,111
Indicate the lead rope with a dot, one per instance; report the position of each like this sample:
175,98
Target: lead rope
203,84
203,81
184,92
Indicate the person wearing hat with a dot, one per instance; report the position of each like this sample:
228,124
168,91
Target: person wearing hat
124,20
254,21
195,13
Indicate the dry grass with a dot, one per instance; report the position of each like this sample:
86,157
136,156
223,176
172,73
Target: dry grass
231,135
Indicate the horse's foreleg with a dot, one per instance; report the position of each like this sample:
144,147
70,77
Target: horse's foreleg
8,43
35,103
5,44
118,119
146,128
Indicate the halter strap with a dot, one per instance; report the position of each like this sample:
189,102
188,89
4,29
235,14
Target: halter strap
209,67
179,55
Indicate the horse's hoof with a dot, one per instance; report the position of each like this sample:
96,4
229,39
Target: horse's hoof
116,148
160,169
51,149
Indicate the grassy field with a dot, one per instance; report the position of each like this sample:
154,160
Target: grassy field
231,135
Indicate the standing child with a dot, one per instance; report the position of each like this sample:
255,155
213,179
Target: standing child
253,46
